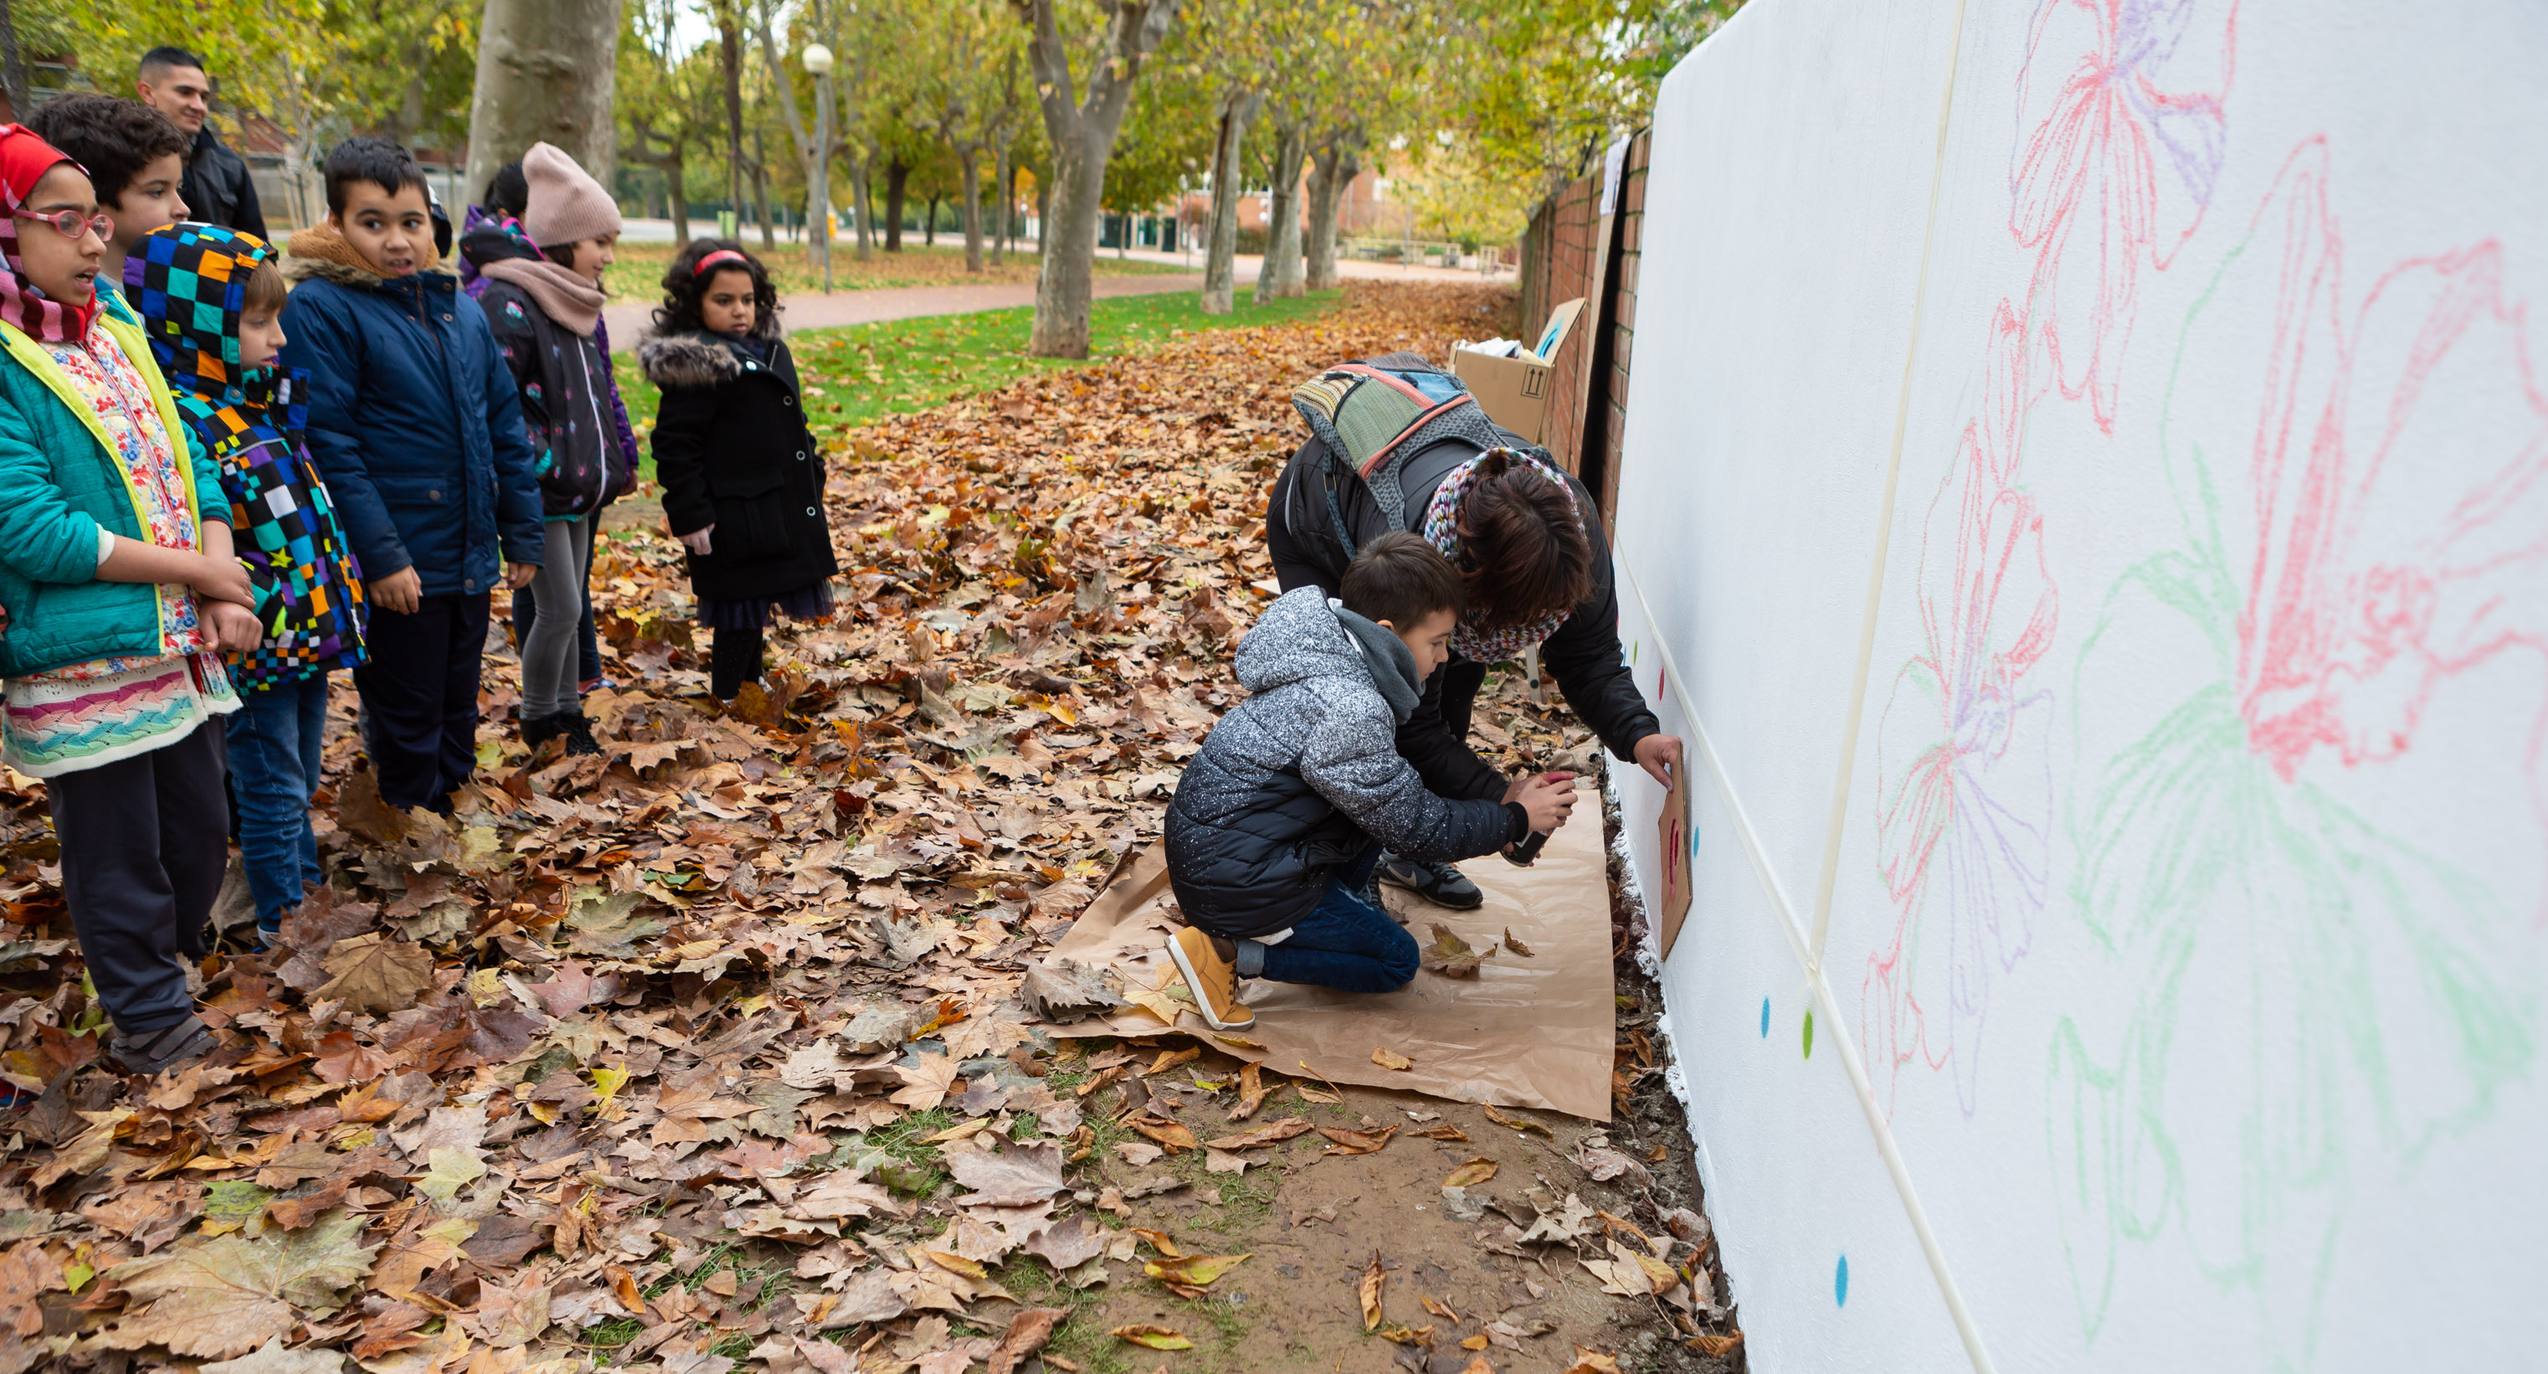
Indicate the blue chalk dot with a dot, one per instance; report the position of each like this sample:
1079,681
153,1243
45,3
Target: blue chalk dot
1840,1283
1764,1018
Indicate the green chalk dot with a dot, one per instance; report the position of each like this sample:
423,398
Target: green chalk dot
1809,1035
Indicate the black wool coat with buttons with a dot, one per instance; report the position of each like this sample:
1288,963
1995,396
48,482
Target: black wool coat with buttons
732,450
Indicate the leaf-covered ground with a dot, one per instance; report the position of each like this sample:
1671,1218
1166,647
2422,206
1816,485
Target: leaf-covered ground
712,1054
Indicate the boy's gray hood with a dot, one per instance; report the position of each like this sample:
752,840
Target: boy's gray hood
1304,636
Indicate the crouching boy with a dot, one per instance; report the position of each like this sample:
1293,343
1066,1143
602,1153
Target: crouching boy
1280,817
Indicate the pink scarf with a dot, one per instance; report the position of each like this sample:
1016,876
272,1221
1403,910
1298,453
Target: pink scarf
24,159
572,301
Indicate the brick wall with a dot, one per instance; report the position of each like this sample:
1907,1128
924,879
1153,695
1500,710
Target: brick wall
1600,468
1587,405
1558,262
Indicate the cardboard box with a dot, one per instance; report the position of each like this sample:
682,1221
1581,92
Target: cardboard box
1514,391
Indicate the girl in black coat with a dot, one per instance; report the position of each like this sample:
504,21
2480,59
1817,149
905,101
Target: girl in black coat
741,474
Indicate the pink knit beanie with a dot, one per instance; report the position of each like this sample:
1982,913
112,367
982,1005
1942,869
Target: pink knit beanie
566,205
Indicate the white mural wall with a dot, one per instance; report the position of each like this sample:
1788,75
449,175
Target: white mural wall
2086,501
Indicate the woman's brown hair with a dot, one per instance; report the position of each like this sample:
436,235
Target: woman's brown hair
1523,550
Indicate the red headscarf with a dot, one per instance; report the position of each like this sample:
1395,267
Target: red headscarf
24,159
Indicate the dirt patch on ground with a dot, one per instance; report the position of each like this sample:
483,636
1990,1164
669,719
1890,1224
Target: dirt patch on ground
1456,1268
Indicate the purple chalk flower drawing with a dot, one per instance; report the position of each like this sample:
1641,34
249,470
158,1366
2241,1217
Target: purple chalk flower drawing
2122,104
1963,754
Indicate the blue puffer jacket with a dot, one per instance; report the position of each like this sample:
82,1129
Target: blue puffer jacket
413,418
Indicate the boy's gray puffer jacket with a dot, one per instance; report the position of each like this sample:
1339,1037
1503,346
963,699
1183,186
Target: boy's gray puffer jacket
1305,773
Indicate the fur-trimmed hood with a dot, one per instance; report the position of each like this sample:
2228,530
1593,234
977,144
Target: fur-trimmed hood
322,254
697,358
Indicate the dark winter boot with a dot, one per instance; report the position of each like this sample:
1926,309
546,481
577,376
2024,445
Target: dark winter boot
539,730
578,732
170,1045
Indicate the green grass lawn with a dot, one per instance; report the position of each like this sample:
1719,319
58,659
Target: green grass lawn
862,372
640,267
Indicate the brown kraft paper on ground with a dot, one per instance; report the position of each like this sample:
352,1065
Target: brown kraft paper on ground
1525,1032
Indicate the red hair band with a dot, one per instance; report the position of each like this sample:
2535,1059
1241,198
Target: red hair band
720,258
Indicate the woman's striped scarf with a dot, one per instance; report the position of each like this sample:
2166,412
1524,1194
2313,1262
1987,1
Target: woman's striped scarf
1442,530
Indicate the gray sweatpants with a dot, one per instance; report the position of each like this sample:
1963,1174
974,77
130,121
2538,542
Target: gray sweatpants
548,658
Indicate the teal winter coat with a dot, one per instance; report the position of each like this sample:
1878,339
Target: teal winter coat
59,484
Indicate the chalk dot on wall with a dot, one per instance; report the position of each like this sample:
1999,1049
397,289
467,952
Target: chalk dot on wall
1840,1283
1764,1018
1809,1034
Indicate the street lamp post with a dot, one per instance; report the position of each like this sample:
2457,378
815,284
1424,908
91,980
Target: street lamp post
818,64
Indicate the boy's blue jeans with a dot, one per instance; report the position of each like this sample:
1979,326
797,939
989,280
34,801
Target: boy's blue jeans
1345,943
275,740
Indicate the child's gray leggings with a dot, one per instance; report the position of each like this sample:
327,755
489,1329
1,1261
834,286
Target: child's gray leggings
548,654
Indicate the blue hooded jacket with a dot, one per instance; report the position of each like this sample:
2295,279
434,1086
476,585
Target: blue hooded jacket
413,417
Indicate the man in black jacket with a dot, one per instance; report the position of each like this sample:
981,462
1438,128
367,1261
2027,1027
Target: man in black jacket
1583,652
217,189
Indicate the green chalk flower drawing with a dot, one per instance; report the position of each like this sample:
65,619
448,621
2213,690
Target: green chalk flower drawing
2317,994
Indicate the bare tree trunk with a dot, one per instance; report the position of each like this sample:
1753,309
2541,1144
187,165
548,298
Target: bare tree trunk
862,202
1331,171
817,163
1043,216
1220,256
1006,193
402,126
761,194
545,72
730,55
972,176
1280,274
674,176
897,177
1070,257
929,227
1082,132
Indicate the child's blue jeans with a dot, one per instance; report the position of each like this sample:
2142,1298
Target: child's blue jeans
1345,943
275,740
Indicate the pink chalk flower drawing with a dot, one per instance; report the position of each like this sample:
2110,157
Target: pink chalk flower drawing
2120,104
2363,561
1963,753
2400,479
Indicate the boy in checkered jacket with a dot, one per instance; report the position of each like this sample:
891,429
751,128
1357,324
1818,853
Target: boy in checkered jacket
211,300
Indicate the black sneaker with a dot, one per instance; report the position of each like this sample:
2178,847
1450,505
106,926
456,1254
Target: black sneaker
1440,884
578,733
170,1045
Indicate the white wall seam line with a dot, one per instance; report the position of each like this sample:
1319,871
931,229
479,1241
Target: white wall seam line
1843,781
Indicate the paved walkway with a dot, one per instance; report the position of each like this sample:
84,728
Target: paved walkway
630,318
